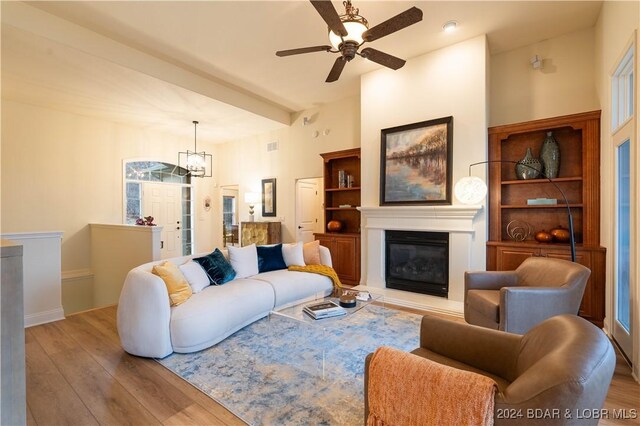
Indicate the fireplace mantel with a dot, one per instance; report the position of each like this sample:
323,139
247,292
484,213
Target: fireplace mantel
458,220
464,211
424,218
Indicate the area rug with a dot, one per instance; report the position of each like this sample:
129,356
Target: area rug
279,371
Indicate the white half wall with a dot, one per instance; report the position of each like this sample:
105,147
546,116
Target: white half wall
447,82
42,279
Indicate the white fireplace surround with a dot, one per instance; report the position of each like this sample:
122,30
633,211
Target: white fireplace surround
457,220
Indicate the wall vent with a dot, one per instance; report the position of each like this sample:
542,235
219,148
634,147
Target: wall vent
272,146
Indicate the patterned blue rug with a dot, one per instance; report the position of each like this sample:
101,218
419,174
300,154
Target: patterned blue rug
279,371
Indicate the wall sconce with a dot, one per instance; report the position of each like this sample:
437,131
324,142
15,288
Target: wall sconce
252,198
536,62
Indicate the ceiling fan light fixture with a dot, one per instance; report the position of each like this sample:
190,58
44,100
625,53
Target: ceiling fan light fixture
355,29
450,26
348,32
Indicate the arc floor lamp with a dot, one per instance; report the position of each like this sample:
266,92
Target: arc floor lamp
472,190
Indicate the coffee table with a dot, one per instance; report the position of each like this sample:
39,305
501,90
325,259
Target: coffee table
296,313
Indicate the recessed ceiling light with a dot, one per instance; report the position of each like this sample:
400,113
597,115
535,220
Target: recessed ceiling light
450,26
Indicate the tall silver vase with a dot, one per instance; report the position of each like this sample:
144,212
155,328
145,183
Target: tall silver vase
529,167
550,156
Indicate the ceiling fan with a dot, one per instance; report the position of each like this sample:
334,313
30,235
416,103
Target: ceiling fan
350,31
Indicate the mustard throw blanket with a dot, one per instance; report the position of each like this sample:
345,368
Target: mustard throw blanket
405,390
327,271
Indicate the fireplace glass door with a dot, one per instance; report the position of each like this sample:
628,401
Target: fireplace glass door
417,262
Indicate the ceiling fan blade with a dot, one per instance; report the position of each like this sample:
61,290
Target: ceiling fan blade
336,70
303,50
382,58
328,12
398,22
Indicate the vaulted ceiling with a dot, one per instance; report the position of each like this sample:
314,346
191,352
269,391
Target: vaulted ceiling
234,42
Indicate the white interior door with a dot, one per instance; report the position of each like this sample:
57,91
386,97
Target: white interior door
163,202
309,214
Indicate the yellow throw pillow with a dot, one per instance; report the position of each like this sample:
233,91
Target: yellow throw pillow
177,285
311,253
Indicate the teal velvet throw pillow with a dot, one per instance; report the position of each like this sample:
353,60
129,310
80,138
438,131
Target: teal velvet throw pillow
270,258
218,269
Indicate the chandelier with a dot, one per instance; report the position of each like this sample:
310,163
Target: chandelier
194,162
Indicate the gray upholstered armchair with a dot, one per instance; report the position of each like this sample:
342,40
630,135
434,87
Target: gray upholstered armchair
563,366
515,301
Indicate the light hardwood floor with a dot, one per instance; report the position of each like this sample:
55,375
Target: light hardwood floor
77,373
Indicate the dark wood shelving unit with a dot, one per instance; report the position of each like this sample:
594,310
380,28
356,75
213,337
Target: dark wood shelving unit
344,245
539,181
354,188
541,206
578,137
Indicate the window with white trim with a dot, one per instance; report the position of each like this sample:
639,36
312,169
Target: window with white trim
622,91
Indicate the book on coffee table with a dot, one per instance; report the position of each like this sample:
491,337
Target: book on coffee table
324,309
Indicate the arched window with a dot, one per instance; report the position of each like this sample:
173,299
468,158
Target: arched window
142,181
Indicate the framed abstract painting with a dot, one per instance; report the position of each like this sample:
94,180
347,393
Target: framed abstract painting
415,163
269,197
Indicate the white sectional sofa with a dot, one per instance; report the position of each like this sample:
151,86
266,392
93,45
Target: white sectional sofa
149,327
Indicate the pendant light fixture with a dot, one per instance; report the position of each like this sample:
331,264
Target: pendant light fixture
194,162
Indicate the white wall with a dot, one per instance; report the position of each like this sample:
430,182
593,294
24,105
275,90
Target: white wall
564,85
246,162
61,171
450,81
614,30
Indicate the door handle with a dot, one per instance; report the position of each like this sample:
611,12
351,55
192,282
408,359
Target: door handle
299,227
161,244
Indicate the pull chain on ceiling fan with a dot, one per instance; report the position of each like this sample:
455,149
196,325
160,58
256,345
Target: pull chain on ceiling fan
350,31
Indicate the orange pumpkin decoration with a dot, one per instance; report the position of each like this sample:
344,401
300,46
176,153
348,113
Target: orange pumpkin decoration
560,234
543,237
334,226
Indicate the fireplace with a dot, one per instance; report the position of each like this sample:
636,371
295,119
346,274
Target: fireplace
417,262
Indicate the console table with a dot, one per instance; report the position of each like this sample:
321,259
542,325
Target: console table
260,233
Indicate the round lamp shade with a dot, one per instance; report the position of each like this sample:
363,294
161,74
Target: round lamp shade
470,190
354,29
252,197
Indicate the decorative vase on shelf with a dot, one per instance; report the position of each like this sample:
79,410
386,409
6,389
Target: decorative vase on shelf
529,167
550,156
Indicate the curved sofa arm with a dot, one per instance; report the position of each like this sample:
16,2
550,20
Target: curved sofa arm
522,308
144,314
483,348
489,280
325,256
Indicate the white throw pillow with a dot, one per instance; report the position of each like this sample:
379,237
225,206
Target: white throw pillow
292,254
195,275
244,260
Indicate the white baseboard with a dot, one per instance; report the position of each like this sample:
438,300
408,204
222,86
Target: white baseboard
43,317
417,301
